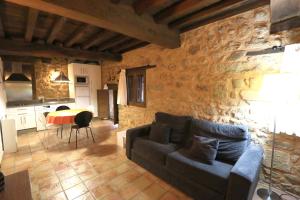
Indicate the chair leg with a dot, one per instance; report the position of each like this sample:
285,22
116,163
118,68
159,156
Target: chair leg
70,135
61,130
57,131
76,137
92,134
87,134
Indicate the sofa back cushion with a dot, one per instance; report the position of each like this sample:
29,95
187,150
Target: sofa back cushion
179,126
203,149
160,133
233,139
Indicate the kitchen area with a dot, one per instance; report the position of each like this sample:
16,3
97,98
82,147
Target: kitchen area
30,89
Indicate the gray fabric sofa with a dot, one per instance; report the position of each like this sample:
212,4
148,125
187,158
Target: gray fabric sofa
224,179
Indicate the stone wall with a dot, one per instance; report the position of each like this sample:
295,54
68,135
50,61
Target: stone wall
43,74
210,77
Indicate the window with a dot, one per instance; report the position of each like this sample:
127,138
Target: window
136,87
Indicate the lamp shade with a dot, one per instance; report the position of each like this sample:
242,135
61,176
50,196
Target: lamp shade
61,78
280,88
291,59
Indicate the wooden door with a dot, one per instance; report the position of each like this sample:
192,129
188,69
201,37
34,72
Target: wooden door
114,88
103,104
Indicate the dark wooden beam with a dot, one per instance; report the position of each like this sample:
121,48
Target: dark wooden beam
285,15
123,2
24,59
142,6
18,48
140,45
59,23
78,33
181,9
218,11
112,42
114,17
31,21
98,38
2,32
125,45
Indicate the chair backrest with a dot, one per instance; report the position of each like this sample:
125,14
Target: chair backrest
83,119
62,108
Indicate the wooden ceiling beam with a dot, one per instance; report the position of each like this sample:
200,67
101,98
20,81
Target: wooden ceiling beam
285,15
19,48
218,11
31,21
59,23
142,44
126,45
112,42
181,9
2,32
123,2
142,6
98,38
78,33
24,59
104,14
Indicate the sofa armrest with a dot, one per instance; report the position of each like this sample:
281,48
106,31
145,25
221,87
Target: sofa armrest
133,133
244,175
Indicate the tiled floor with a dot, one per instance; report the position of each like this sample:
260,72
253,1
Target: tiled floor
98,170
94,171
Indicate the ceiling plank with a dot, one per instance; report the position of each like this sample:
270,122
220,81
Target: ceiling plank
218,11
19,48
31,21
124,2
142,6
114,17
98,38
59,23
126,45
112,42
78,33
2,32
181,9
142,44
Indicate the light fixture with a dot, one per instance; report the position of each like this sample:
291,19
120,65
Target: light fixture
61,78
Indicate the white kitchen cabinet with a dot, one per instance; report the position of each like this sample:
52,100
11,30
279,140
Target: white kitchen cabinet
80,69
24,117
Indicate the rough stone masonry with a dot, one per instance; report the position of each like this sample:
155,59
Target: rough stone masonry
210,77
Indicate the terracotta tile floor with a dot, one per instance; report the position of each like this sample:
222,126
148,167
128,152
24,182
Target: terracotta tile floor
59,171
98,170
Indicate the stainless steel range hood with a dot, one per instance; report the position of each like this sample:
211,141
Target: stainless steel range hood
18,86
17,74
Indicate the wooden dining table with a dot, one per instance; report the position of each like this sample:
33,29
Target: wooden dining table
63,116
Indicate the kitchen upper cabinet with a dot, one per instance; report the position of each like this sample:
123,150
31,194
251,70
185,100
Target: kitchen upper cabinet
80,69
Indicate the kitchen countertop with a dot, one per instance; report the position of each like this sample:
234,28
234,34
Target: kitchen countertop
13,104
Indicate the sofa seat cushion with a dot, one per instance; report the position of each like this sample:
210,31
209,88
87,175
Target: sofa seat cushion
153,151
213,176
